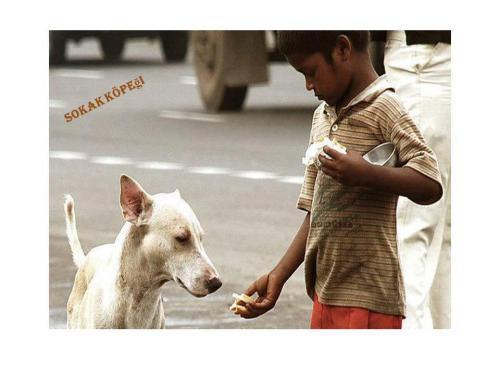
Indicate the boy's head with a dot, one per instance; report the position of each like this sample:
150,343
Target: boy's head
329,60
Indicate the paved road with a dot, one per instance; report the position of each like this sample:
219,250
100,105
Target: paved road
240,172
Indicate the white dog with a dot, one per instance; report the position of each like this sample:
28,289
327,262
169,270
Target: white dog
118,285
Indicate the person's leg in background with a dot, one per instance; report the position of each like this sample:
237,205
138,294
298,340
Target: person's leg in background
441,307
421,74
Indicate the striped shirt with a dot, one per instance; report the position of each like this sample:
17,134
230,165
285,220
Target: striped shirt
351,254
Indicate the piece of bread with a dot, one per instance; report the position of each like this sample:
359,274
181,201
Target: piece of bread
235,307
242,297
238,309
316,149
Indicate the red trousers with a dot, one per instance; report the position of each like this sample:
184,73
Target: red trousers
326,317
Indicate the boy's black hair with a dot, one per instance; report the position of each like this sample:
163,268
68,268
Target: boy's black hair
307,42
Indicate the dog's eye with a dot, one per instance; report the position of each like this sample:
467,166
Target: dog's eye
181,238
182,235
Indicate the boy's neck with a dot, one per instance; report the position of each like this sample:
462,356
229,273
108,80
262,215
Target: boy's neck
361,80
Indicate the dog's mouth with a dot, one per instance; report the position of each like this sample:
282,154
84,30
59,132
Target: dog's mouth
179,281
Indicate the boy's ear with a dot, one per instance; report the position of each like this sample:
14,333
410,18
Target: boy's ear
343,47
137,205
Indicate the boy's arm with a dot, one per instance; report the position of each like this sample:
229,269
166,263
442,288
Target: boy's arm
294,256
269,286
404,181
351,169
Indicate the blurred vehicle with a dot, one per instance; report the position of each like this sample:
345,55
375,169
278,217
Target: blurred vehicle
227,62
174,42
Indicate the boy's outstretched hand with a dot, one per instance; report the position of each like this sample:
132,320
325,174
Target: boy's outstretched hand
268,287
348,169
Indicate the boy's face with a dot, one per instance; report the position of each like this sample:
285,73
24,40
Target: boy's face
330,81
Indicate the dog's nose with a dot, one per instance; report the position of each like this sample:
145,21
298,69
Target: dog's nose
213,284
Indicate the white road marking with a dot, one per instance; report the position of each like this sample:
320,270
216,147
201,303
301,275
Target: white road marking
209,170
53,103
79,73
191,116
255,175
299,180
110,160
171,321
61,285
159,165
67,155
188,80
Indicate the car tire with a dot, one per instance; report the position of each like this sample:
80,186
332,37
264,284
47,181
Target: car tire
57,48
209,66
174,45
112,46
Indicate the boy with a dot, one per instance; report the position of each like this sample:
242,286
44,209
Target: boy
348,237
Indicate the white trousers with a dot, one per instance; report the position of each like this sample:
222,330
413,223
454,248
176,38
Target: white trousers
421,75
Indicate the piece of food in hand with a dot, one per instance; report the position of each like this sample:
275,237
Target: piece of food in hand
316,148
242,297
238,309
235,307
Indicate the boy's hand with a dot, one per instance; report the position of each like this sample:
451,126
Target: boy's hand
268,288
349,169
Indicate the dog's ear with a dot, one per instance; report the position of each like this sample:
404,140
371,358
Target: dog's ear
177,193
137,205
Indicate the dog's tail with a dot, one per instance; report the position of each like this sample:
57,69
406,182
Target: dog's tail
74,242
